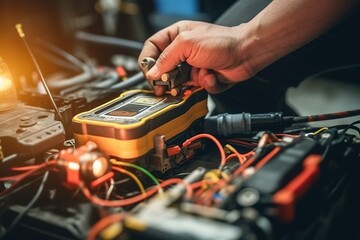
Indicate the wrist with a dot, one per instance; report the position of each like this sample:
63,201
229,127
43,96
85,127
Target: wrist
249,48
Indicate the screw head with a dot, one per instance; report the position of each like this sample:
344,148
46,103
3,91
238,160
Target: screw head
248,197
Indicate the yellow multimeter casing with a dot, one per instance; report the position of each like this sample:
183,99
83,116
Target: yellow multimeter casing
125,127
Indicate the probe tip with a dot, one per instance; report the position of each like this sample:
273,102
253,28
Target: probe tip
19,29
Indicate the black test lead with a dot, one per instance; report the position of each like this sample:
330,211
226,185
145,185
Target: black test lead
22,35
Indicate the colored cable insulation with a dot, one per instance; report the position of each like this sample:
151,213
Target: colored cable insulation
126,164
29,205
131,175
21,177
132,200
105,222
245,123
217,143
327,116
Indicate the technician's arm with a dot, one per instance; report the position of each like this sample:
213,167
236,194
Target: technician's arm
222,56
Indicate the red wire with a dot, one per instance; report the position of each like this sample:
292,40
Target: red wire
129,201
97,182
24,168
218,144
19,178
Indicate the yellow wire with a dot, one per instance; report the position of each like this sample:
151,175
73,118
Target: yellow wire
320,130
134,177
126,164
233,150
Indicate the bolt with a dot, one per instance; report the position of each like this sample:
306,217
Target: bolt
248,197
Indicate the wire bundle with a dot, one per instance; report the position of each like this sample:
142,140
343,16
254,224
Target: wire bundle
250,155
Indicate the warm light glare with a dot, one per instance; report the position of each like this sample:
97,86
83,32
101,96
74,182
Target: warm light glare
99,167
5,84
73,166
8,97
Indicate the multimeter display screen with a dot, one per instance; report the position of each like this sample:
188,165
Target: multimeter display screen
134,107
128,110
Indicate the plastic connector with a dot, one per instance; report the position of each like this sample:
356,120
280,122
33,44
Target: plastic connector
244,123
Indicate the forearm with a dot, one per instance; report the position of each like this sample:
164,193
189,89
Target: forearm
285,25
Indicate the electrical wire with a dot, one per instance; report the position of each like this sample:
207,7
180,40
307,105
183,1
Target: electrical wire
22,36
88,71
233,155
111,188
244,166
103,223
349,126
21,177
267,158
97,182
132,200
86,75
29,205
287,135
239,156
110,41
59,61
36,196
128,83
345,129
249,143
207,196
201,183
64,54
217,143
326,116
133,176
126,164
23,186
245,123
320,130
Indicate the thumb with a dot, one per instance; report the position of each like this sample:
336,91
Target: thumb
173,55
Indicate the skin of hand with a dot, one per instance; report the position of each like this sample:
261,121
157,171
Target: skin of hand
204,46
222,56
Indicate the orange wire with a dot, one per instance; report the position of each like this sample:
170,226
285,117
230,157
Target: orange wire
267,158
218,144
233,155
244,166
252,159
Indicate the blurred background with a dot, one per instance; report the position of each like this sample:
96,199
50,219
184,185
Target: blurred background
65,23
59,22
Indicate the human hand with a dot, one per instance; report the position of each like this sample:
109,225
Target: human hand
214,52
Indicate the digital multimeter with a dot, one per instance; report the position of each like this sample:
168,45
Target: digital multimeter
126,126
